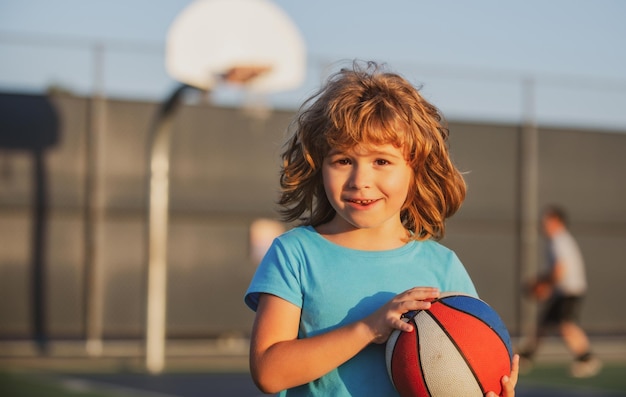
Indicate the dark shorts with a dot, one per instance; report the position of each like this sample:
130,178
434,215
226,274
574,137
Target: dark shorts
561,309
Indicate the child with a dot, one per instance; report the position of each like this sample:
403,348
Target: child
563,288
368,174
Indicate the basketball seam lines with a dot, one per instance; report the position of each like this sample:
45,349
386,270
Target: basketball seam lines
451,339
419,348
482,321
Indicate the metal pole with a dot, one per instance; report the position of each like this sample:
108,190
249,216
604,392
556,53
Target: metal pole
157,232
40,216
93,292
529,205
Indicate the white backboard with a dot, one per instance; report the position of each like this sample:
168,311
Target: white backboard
210,38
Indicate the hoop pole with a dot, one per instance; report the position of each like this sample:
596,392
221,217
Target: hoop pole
159,164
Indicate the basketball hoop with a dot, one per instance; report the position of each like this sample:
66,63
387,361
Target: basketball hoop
244,74
255,105
249,43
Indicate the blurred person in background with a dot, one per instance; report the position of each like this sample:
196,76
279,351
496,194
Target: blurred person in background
561,289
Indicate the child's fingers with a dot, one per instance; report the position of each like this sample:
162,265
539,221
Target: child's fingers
423,292
418,294
401,324
515,371
508,382
417,298
391,315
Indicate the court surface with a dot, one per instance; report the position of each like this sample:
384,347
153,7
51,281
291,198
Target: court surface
240,385
227,376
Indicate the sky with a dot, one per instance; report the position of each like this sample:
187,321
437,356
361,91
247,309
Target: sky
475,60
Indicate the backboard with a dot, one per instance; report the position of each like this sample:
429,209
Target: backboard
251,42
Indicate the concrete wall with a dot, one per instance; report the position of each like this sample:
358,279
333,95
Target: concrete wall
224,176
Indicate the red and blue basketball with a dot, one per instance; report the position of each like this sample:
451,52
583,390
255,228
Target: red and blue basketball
458,347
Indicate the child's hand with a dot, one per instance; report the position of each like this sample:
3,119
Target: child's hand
389,316
509,382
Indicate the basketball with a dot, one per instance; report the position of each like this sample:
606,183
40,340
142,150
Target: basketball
458,347
539,289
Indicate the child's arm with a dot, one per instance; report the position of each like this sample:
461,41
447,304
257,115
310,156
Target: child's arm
279,360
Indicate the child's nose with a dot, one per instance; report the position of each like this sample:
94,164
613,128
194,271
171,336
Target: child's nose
360,178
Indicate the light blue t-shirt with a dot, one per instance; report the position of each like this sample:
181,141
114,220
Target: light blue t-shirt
335,286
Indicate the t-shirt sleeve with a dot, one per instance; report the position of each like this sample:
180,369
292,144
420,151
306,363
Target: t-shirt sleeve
278,275
563,250
458,279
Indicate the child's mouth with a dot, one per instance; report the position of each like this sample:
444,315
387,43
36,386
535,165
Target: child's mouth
362,202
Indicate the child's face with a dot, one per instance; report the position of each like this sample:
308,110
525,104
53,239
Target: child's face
551,225
367,185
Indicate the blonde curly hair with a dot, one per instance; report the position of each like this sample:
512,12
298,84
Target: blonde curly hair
367,105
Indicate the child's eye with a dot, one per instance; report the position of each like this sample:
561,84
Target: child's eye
382,162
343,161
